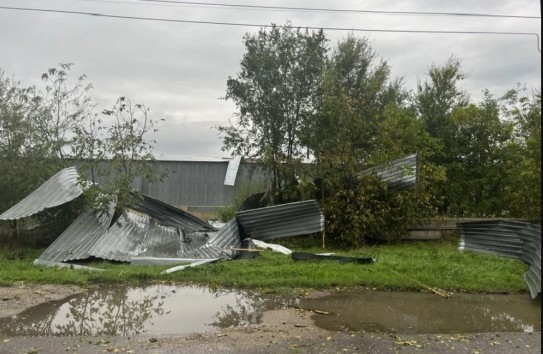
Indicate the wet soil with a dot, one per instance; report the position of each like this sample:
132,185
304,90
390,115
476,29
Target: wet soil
280,331
19,297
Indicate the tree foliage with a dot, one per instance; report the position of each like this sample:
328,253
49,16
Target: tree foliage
474,158
275,93
44,131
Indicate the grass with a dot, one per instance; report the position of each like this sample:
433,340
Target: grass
407,266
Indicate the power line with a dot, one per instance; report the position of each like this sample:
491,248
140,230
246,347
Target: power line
316,9
239,24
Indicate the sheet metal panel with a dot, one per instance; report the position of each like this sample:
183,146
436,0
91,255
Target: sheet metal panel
169,215
283,220
78,239
232,171
161,241
399,174
124,238
514,239
57,190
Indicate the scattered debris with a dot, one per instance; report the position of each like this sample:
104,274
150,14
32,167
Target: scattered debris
66,265
302,256
271,246
194,264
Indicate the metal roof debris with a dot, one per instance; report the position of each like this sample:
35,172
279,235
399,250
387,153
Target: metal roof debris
155,232
232,171
303,256
168,215
57,190
513,239
79,238
284,220
271,246
398,174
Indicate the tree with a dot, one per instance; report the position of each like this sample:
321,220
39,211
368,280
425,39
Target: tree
439,95
361,87
128,152
40,133
522,194
362,121
275,93
64,108
25,161
435,100
475,167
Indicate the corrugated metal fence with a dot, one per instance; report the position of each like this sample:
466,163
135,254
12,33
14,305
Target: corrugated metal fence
513,239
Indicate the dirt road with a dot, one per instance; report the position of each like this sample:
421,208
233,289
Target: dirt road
281,331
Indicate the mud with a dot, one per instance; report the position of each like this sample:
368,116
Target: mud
280,331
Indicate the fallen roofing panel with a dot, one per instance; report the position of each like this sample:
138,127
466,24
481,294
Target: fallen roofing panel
399,174
514,239
284,220
169,215
78,239
57,190
302,256
232,171
228,236
124,238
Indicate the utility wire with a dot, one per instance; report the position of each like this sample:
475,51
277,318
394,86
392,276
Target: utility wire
268,26
317,9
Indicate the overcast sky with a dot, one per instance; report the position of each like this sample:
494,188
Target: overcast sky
179,70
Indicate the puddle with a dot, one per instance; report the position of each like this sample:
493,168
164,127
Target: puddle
157,309
418,313
163,309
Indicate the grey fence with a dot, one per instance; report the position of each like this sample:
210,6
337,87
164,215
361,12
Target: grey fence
513,239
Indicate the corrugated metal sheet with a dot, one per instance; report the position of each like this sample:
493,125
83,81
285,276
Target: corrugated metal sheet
283,220
513,239
57,190
168,215
124,238
78,239
399,174
232,171
227,237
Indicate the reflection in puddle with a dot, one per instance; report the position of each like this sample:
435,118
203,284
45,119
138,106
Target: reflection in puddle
405,312
168,309
157,309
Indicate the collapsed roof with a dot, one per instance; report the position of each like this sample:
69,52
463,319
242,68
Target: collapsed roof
154,232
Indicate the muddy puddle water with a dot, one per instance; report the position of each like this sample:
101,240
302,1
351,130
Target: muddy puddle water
404,312
164,309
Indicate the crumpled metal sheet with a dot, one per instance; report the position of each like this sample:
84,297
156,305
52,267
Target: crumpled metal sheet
398,174
79,238
124,238
513,239
284,220
168,215
57,190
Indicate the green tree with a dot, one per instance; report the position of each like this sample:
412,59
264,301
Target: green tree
275,93
522,195
25,161
435,100
128,150
438,96
475,168
362,121
40,133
